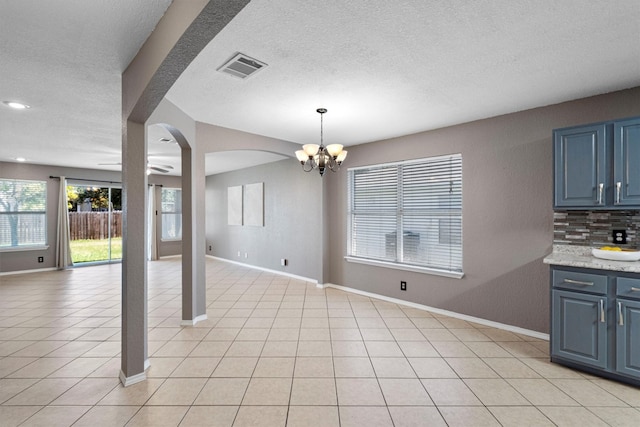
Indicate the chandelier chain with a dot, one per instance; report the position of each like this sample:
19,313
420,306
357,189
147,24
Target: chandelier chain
321,130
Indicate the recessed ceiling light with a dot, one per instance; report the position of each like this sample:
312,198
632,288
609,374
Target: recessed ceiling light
166,140
20,159
16,105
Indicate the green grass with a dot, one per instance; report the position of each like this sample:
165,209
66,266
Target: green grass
95,250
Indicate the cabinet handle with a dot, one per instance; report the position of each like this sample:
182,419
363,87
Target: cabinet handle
577,282
620,318
601,311
600,191
618,187
635,289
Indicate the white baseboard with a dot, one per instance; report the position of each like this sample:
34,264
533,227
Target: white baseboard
170,256
194,321
268,270
127,381
491,323
36,270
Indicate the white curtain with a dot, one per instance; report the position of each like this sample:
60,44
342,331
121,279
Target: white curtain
152,241
63,248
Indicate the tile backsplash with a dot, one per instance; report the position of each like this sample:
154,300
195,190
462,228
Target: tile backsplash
594,228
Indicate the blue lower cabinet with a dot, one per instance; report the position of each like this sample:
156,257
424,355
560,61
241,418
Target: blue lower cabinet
628,337
595,322
580,328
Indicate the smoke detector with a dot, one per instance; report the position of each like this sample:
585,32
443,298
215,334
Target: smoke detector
242,66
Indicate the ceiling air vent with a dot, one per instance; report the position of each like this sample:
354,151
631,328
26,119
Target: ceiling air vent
242,66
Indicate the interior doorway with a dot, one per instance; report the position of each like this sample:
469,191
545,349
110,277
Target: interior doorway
95,223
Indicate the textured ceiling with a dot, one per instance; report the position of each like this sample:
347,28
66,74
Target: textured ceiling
65,59
385,69
381,68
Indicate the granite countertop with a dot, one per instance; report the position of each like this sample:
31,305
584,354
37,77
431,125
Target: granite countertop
580,256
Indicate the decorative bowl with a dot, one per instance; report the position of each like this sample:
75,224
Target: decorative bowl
623,255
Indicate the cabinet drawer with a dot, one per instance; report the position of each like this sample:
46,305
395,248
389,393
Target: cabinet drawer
628,288
586,282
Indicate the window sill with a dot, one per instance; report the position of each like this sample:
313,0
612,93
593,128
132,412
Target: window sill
424,270
24,248
171,240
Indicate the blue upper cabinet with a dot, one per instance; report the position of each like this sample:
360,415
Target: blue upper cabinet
626,162
580,166
597,166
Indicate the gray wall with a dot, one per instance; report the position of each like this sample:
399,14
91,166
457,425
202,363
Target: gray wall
28,260
292,215
507,211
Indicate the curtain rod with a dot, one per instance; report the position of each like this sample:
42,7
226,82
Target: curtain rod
86,179
95,180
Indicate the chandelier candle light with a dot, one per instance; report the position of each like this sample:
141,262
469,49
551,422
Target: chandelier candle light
314,156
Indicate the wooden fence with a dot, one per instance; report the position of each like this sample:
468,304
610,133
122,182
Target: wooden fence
94,225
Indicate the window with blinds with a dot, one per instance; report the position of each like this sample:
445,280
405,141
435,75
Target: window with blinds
171,214
23,216
408,213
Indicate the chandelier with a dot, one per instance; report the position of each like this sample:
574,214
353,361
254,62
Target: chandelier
314,156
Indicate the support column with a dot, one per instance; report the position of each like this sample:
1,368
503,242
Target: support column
184,30
198,191
134,260
188,307
194,304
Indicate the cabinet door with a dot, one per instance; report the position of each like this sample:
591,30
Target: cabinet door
580,169
628,337
626,157
579,328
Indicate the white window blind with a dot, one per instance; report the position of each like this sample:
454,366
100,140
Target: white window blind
171,214
23,216
408,213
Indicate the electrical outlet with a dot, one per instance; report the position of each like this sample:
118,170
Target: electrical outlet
40,259
403,285
238,253
619,236
246,255
209,248
283,262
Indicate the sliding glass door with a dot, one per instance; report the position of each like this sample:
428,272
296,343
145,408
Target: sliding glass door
95,223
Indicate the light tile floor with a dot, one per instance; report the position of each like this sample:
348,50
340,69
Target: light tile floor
276,351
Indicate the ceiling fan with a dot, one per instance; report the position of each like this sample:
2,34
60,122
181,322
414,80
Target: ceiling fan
150,167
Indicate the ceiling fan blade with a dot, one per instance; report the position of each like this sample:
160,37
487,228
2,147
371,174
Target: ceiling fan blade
158,169
160,166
